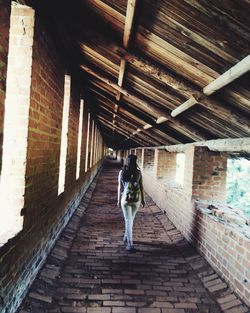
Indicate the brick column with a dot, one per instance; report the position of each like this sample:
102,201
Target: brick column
17,105
165,164
139,157
142,158
209,175
148,158
119,155
188,177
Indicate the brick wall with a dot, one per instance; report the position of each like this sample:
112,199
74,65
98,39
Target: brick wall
4,43
45,214
225,247
148,159
209,175
139,157
164,164
16,118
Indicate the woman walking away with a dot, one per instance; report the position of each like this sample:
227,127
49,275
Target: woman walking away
130,196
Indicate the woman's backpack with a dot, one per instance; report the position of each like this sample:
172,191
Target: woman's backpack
133,190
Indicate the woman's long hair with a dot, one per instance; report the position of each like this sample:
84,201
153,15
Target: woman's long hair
130,170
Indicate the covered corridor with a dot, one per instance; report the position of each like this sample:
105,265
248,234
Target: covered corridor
86,80
90,271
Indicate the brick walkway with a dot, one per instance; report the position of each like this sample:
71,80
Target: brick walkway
90,271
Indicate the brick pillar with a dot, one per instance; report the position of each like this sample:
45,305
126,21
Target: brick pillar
209,175
165,164
4,45
118,155
188,176
122,156
17,105
148,159
139,157
142,158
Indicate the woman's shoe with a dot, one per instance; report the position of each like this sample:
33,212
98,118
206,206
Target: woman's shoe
130,249
125,240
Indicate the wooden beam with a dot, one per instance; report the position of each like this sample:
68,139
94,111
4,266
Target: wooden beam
122,131
129,22
237,145
113,142
144,104
181,127
161,120
131,4
159,134
110,125
129,127
156,134
122,118
121,72
184,106
226,78
147,126
144,119
121,77
156,72
106,99
176,58
186,89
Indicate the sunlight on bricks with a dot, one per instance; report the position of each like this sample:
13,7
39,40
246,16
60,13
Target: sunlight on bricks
87,144
17,105
64,136
180,167
79,144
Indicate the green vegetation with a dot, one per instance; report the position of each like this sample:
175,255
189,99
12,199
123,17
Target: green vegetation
238,184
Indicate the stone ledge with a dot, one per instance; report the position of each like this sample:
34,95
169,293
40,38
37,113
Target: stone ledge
224,214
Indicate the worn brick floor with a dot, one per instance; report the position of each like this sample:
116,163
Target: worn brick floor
90,271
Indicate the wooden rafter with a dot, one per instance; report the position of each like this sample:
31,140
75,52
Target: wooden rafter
176,125
130,120
194,133
156,132
124,119
185,89
184,106
177,59
123,131
129,126
131,5
226,78
155,112
124,126
176,54
129,21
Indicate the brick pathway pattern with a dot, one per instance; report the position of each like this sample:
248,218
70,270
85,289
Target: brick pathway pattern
89,270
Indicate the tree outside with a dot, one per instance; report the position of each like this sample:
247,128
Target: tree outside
238,184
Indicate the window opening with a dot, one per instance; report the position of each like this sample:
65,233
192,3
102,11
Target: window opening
87,144
180,168
79,143
238,184
92,143
64,135
16,119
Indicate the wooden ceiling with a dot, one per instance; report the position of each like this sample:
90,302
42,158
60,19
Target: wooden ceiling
137,61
